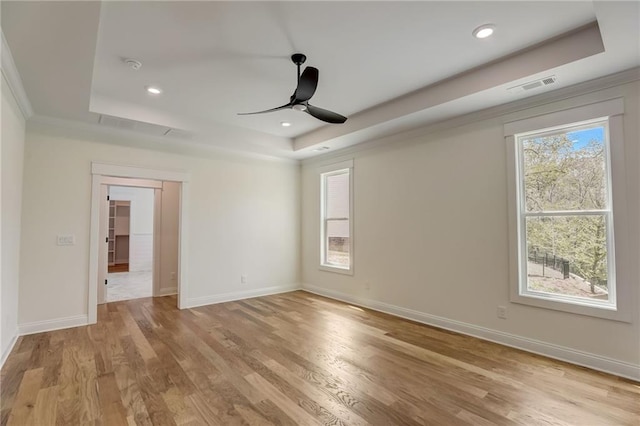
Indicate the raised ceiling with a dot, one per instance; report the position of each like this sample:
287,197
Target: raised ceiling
386,65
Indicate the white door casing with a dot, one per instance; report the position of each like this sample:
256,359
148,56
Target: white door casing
111,174
104,244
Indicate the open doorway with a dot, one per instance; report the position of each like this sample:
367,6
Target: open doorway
130,243
140,234
171,192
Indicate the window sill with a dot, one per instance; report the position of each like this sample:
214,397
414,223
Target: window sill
329,268
574,307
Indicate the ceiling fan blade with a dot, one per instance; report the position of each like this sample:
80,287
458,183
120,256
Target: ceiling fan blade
325,115
289,105
306,86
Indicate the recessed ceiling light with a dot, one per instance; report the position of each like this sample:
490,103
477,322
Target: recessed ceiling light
484,31
322,148
154,90
285,124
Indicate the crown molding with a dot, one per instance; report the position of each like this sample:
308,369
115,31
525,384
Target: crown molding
197,147
11,75
630,75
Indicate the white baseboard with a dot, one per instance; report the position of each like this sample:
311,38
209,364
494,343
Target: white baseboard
238,295
50,325
563,353
7,351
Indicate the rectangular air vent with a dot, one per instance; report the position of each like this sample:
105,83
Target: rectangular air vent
133,125
178,133
533,84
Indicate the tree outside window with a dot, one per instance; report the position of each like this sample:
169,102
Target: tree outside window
566,211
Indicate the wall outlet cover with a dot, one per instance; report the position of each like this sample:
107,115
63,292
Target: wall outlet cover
502,312
66,240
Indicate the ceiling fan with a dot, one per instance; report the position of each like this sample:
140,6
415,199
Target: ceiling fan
307,84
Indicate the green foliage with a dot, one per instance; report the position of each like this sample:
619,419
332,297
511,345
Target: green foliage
562,176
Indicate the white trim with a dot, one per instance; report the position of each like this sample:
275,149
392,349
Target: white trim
157,240
561,118
136,183
117,170
14,81
496,112
103,247
183,284
329,170
563,353
200,146
622,292
101,172
348,164
94,249
7,351
239,295
51,325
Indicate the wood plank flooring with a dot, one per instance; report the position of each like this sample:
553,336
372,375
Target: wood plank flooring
292,359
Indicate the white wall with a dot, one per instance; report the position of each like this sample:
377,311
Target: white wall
12,154
430,235
140,226
243,218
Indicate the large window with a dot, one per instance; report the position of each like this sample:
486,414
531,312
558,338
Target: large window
562,204
336,226
565,214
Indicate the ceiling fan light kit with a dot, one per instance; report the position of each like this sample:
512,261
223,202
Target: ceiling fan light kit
299,101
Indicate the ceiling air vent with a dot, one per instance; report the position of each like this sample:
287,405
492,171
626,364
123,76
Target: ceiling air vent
136,126
178,133
546,81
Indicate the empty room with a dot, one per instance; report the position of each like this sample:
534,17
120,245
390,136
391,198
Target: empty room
320,213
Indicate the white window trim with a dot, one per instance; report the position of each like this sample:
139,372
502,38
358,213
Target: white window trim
620,309
328,170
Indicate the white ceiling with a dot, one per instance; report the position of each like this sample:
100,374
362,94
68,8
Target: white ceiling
388,66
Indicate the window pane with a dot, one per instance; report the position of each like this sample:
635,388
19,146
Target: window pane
567,255
337,187
338,243
565,170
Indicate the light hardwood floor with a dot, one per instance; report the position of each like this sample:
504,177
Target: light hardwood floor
288,359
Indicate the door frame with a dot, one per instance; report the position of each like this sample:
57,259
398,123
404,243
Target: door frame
107,174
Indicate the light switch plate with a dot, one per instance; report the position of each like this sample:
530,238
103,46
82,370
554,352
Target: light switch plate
66,240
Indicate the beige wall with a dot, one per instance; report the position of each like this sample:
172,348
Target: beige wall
12,153
243,218
431,234
169,243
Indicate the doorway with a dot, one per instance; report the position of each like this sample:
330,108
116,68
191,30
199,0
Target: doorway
130,243
174,184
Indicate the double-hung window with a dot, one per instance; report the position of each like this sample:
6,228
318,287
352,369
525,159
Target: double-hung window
562,222
336,247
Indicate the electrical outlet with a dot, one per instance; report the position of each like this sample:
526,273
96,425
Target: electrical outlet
367,286
243,279
66,240
173,276
502,312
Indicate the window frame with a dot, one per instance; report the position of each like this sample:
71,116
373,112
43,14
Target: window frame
324,172
618,306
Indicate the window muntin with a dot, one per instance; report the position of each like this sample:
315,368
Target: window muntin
336,246
565,216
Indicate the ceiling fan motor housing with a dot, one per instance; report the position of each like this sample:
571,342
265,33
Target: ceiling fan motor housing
298,58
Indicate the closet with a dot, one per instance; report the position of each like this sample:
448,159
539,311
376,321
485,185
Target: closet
119,219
